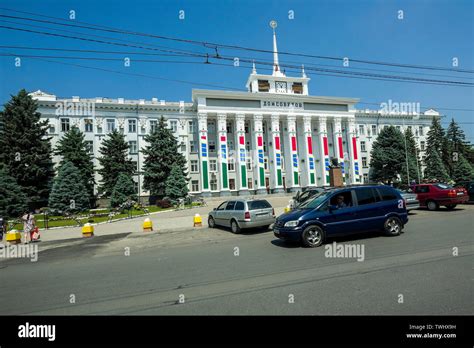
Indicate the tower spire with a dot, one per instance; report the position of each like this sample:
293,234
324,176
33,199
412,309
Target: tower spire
276,65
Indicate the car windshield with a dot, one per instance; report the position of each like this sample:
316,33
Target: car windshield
444,186
314,201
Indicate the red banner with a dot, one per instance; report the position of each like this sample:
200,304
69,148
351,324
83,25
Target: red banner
277,143
310,145
241,140
325,144
341,152
354,147
293,143
260,141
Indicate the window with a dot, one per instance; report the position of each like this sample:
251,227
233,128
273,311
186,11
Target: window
110,124
249,183
362,146
212,146
211,127
222,206
191,127
297,88
399,128
264,146
132,147
229,127
192,146
258,204
422,189
422,145
409,128
366,178
132,126
239,206
65,126
153,125
263,86
232,187
194,185
90,146
230,205
88,126
231,165
213,165
364,162
213,184
361,129
346,199
194,166
231,145
387,193
374,129
249,164
365,196
135,164
183,146
52,129
174,126
265,163
135,186
420,131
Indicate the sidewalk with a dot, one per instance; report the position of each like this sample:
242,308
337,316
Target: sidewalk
163,222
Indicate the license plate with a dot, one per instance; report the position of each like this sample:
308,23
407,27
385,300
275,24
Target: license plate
460,193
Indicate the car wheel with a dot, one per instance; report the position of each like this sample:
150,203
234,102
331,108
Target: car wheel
234,227
210,222
451,206
432,205
393,226
313,236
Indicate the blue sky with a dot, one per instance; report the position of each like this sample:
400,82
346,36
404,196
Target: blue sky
431,34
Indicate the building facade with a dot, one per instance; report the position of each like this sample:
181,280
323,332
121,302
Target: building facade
275,137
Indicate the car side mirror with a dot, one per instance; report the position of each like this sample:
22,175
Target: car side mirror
214,209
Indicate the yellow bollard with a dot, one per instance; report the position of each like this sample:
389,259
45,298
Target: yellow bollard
287,209
197,220
87,230
147,225
13,237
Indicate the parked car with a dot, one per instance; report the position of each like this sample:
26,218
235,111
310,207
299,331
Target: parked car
433,196
302,197
411,201
239,214
469,186
344,211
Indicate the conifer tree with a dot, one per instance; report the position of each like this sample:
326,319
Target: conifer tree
388,155
114,161
176,184
437,144
25,148
123,191
73,148
412,159
13,202
161,154
435,168
68,193
462,170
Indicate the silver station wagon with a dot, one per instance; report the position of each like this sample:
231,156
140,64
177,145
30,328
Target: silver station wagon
239,214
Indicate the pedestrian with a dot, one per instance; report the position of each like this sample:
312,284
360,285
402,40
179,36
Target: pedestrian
3,227
28,225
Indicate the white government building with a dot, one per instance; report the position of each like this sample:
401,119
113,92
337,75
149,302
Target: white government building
275,137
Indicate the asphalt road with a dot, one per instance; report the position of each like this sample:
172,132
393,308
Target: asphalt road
200,272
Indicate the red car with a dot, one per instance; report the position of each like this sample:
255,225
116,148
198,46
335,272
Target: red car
434,195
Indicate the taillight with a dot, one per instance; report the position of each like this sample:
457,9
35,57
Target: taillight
273,211
247,215
452,193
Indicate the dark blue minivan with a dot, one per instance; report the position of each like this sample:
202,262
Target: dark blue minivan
344,211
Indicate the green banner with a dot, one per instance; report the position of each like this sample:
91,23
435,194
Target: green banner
262,177
205,176
311,176
295,178
279,180
243,175
225,182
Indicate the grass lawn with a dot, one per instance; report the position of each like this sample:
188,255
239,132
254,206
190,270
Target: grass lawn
60,221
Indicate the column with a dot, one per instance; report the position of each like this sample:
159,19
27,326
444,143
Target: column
353,153
323,151
276,178
338,148
223,154
203,154
259,169
241,157
291,154
308,169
